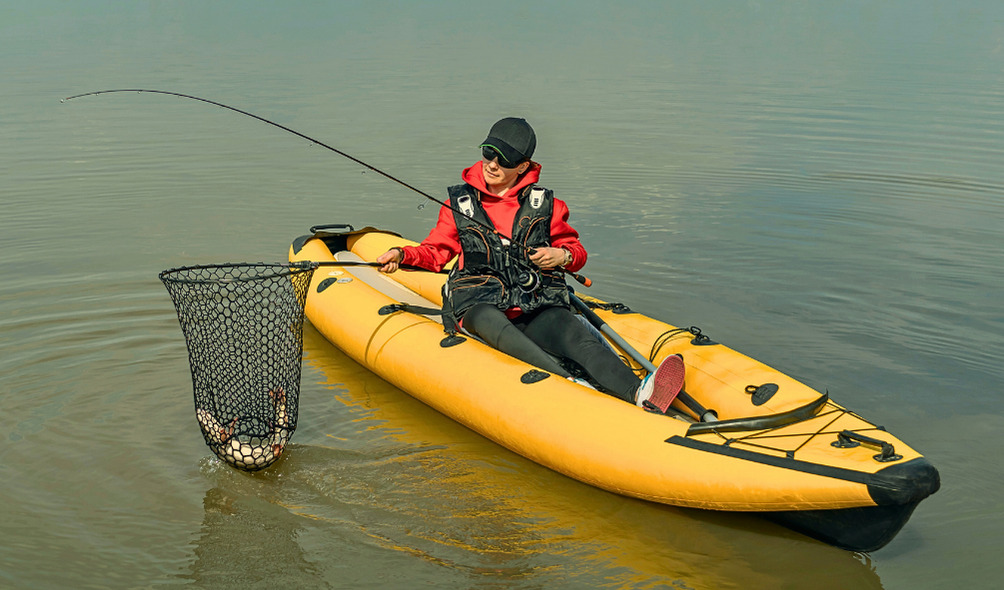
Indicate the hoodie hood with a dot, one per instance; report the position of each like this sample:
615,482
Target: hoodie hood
474,176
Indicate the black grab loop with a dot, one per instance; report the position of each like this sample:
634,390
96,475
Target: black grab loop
850,439
699,338
613,307
243,325
323,285
533,376
761,394
452,340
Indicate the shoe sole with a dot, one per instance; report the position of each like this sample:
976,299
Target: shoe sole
668,383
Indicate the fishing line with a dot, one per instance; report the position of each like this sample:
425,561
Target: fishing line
581,279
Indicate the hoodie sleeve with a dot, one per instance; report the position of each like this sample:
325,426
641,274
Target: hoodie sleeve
440,247
564,236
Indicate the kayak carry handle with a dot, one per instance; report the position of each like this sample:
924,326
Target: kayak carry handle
849,439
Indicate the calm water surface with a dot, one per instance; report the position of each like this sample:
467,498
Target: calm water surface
818,185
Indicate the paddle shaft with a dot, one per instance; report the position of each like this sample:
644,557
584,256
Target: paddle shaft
703,414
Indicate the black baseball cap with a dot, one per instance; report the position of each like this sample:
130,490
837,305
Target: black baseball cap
513,139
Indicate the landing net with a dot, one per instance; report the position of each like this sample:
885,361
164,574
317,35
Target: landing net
243,324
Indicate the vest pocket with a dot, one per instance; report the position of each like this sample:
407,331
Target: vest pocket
466,292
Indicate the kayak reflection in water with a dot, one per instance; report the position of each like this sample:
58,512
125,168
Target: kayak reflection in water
508,287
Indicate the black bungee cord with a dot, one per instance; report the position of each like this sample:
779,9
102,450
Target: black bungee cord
531,279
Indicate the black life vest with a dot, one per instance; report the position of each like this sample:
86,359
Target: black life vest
494,268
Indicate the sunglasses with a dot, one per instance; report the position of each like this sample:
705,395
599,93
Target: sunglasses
489,153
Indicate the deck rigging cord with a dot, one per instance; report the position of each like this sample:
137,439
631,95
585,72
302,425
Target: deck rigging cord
528,281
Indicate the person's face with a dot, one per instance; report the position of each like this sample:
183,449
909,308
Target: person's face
497,175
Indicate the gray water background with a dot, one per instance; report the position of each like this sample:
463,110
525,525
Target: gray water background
817,184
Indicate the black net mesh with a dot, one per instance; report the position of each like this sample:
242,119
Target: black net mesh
243,324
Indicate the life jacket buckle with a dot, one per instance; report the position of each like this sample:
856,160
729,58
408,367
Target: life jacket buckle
537,197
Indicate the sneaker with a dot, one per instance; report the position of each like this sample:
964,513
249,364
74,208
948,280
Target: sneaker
658,390
582,382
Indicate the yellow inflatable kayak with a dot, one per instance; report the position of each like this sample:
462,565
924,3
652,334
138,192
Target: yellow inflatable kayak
777,447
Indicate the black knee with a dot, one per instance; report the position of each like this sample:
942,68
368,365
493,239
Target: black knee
557,330
487,321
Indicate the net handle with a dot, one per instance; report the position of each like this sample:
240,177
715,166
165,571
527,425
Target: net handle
169,275
308,264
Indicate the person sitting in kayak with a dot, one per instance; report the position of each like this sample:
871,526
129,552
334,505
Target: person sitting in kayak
508,288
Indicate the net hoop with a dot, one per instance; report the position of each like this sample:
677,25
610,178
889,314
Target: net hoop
243,327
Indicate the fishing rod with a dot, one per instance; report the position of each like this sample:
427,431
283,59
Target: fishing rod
581,279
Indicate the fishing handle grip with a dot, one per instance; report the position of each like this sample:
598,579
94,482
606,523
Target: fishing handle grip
582,279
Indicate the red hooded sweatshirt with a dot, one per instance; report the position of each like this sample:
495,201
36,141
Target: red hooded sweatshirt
443,243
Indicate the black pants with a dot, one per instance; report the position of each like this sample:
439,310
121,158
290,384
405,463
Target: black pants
556,331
